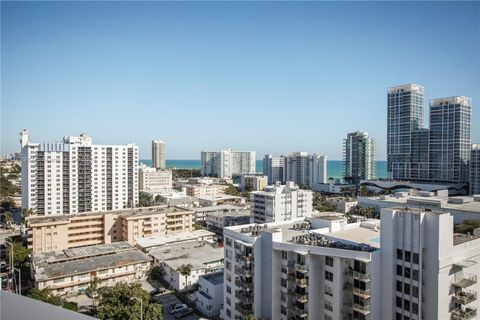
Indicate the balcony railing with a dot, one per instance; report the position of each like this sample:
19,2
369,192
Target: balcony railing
243,284
243,308
361,309
465,296
360,292
465,280
358,275
464,314
246,272
244,296
298,311
297,282
301,267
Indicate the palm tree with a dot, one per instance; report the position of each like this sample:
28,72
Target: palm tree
185,270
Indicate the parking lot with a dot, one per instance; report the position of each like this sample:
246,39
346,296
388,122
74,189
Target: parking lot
168,299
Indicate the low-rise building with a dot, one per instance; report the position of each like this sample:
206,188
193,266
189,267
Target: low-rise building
461,207
201,257
281,203
151,178
50,233
382,185
343,204
333,186
205,190
210,294
220,200
197,236
253,182
201,213
70,271
216,221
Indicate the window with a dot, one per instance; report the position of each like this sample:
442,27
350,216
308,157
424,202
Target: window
284,255
283,283
415,291
399,286
328,276
283,310
406,288
407,256
228,242
229,301
399,302
398,316
229,313
329,261
415,275
414,308
328,305
406,272
328,291
229,289
406,304
327,317
415,258
399,254
399,270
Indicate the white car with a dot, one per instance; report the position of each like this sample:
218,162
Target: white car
177,307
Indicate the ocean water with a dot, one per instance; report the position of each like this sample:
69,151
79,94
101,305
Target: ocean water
334,167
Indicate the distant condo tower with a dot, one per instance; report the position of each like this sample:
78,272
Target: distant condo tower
227,163
359,157
475,169
305,170
75,176
158,154
405,121
274,168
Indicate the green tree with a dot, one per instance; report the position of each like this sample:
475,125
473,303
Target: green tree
20,255
7,188
92,290
46,295
116,303
185,270
7,218
363,191
231,190
7,204
145,199
25,214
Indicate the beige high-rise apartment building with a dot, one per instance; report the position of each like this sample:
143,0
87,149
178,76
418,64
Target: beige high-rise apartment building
48,233
158,154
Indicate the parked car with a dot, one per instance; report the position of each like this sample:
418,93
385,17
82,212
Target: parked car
183,312
176,307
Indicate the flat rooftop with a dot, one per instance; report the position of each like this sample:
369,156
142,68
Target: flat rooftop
223,207
172,238
219,197
124,213
242,213
214,278
49,266
194,253
365,233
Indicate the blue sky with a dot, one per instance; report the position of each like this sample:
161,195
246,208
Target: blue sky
273,77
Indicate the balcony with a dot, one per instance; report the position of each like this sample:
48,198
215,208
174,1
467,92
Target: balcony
245,259
301,267
246,272
358,275
464,314
244,296
299,312
300,297
360,292
465,280
247,286
296,281
464,296
362,309
243,308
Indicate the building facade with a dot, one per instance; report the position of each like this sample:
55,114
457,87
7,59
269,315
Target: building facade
151,178
77,230
359,157
158,154
306,170
205,190
210,294
449,144
70,271
77,176
475,169
253,182
432,272
274,168
227,163
281,203
287,270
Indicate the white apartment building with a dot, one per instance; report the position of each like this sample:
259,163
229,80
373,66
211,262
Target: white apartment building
280,203
77,176
210,294
152,178
428,271
306,170
475,169
158,154
411,266
227,163
274,168
311,268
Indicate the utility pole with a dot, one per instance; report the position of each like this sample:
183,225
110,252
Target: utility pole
11,262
